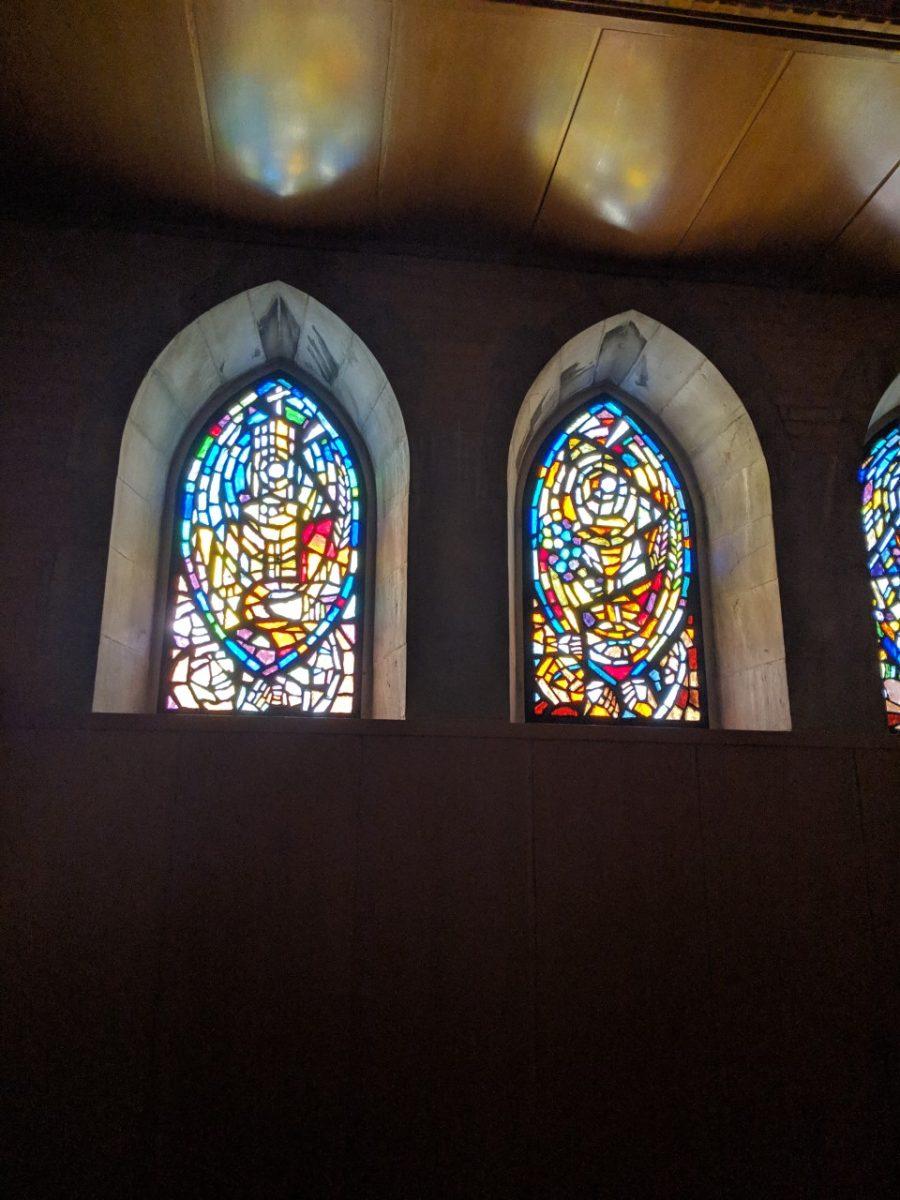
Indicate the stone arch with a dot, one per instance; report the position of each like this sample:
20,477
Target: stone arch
272,323
703,420
887,408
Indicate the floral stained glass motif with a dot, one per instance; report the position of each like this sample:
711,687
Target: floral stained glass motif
880,479
265,610
611,589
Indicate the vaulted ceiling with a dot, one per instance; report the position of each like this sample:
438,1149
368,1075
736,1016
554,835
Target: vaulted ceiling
473,123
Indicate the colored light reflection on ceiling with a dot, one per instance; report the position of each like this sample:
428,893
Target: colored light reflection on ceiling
293,114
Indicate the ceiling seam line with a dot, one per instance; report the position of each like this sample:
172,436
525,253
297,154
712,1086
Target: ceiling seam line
761,103
565,133
200,83
386,100
874,192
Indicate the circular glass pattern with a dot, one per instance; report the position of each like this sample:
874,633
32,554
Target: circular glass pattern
268,542
612,626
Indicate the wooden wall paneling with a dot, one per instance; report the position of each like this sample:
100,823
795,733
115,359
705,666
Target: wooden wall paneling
656,120
792,968
443,1028
878,777
254,1003
295,94
878,782
625,1090
84,837
825,138
480,96
108,87
300,963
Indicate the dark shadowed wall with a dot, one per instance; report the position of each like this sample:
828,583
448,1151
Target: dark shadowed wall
389,960
84,313
282,958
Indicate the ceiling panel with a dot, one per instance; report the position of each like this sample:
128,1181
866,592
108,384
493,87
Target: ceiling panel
656,120
826,137
295,94
871,242
479,99
108,86
458,121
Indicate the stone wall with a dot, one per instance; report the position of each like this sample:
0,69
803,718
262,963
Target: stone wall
85,313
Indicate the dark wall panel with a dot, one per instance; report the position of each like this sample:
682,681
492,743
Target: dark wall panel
85,836
254,1004
378,959
625,1083
445,1006
791,964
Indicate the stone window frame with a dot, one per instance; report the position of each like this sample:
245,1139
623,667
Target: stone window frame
886,410
695,411
260,330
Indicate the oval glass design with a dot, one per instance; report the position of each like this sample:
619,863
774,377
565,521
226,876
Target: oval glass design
880,479
612,613
266,589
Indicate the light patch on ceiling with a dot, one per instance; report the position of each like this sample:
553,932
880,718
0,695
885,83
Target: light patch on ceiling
292,112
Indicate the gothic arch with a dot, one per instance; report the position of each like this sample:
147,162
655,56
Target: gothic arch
273,323
887,409
684,395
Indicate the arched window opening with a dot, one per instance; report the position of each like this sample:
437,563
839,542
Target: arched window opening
265,603
258,545
879,476
611,588
697,443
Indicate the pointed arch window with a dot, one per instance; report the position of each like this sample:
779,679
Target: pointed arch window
265,607
612,612
879,476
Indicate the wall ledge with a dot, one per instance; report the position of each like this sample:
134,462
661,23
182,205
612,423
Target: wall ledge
205,724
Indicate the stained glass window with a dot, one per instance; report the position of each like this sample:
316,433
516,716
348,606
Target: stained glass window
266,591
880,479
612,612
